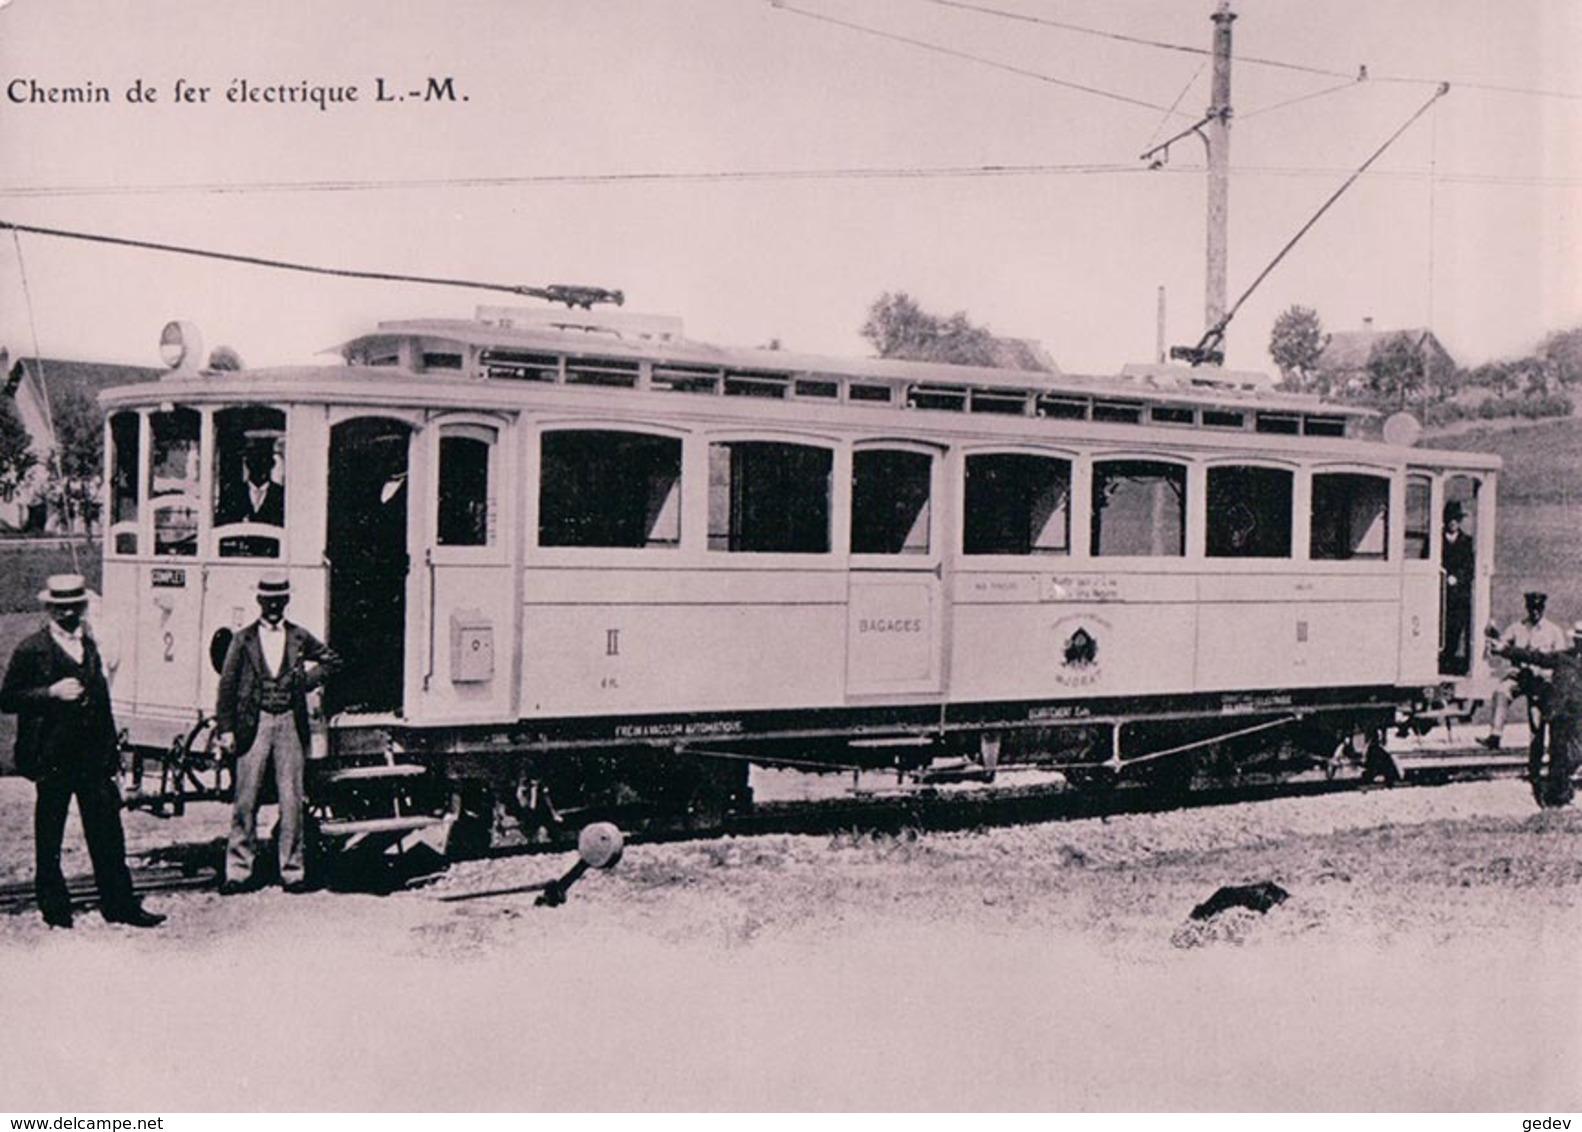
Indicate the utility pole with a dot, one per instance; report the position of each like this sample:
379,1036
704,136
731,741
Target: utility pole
1216,136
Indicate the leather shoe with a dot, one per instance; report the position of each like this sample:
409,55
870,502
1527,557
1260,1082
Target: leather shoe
297,887
237,887
1492,742
58,919
136,917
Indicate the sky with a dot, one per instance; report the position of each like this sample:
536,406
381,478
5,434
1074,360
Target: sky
765,169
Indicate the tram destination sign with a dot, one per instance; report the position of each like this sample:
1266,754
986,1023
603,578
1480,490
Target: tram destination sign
168,577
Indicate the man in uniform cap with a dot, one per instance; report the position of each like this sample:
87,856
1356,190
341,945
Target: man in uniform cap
262,716
66,743
1523,681
1564,714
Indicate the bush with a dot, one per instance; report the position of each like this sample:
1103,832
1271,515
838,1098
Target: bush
1546,405
1446,412
1534,407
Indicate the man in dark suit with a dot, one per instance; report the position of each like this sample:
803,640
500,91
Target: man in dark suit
262,716
1457,561
257,498
66,743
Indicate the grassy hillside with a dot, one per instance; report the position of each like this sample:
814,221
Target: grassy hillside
25,563
1538,541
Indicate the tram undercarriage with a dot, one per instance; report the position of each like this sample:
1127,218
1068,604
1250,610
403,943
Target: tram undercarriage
461,792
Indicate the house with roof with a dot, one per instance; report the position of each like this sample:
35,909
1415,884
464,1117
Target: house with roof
36,388
1343,365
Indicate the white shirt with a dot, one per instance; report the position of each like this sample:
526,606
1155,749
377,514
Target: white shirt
70,643
1545,636
272,638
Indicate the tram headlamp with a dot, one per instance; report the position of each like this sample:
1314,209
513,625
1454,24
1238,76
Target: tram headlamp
181,346
1402,429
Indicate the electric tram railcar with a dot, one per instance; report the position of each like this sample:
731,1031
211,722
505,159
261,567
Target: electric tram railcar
575,561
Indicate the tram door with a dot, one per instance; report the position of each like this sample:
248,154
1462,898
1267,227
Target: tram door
1458,574
895,611
366,545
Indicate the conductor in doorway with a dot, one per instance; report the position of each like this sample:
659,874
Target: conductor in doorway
262,716
256,498
1456,559
66,743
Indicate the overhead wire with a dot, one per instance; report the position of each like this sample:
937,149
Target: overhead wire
1159,129
873,173
969,57
1310,96
1280,64
549,179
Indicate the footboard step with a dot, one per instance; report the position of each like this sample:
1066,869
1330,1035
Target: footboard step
352,828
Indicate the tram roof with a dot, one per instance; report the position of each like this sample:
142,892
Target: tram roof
556,352
586,338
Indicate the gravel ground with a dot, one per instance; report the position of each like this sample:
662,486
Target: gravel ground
1426,959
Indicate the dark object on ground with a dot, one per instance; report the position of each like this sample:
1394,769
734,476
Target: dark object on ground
1259,897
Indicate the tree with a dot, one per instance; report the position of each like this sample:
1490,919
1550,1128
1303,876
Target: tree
79,458
899,328
1497,376
1296,343
1395,370
1563,351
17,457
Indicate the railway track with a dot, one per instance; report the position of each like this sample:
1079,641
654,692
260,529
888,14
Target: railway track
929,808
196,867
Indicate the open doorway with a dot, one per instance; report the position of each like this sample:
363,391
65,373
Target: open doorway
366,544
1458,535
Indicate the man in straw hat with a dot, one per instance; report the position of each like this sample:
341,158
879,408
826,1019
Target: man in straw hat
1564,714
66,743
262,716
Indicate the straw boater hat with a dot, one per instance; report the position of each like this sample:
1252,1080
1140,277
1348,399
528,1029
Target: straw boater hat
64,589
274,585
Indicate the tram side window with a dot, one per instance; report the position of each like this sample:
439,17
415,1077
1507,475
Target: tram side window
1249,512
250,477
609,489
1139,508
1016,503
769,497
890,504
1351,516
173,479
1419,521
466,493
123,482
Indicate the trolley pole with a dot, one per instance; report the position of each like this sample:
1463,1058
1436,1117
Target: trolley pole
1217,138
